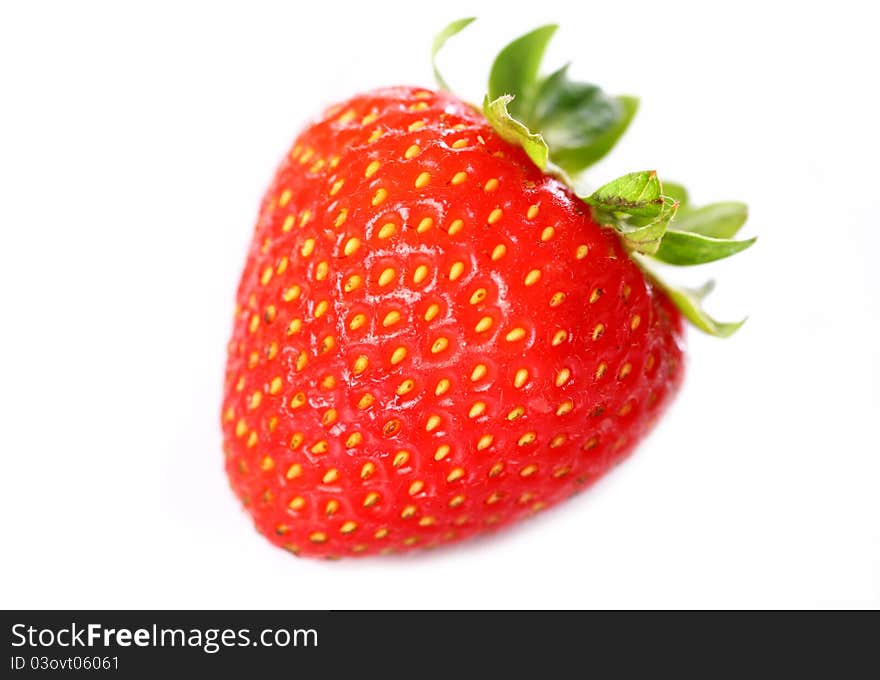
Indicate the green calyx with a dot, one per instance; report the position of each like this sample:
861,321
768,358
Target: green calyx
566,126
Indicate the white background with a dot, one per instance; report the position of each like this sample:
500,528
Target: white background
135,142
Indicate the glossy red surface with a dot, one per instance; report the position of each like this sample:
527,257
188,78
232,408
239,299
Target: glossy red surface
432,338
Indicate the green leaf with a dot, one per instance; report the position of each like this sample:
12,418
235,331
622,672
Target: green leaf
718,220
637,194
579,121
515,69
440,40
689,302
511,130
677,192
686,248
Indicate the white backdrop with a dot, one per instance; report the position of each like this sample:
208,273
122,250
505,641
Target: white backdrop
135,142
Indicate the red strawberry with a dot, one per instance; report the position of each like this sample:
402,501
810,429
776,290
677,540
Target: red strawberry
434,336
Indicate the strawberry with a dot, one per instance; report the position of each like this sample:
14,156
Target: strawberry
435,335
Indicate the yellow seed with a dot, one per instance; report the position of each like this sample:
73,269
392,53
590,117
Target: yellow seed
491,185
426,521
308,247
485,442
328,382
455,474
423,179
460,143
495,216
557,299
374,136
625,409
559,337
346,117
516,334
416,487
387,231
351,246
398,355
400,458
636,320
252,440
391,318
329,416
353,283
296,440
420,274
298,400
565,407
424,225
439,345
288,223
532,277
269,314
598,330
432,311
321,308
284,199
455,501
294,471
483,324
479,372
360,365
387,276
625,370
406,387
366,401
254,323
408,511
266,276
557,441
380,533
332,475
275,385
443,386
348,527
357,321
380,195
340,218
595,295
367,470
291,294
240,428
305,217
337,185
493,497
532,212
547,233
601,370
581,252
455,227
442,452
456,270
591,443
478,409
372,169
527,438
353,440
516,413
521,377
528,470
459,177
255,400
334,161
418,125
412,152
318,537
498,252
478,296
322,270
282,265
321,446
433,423
297,503
562,377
